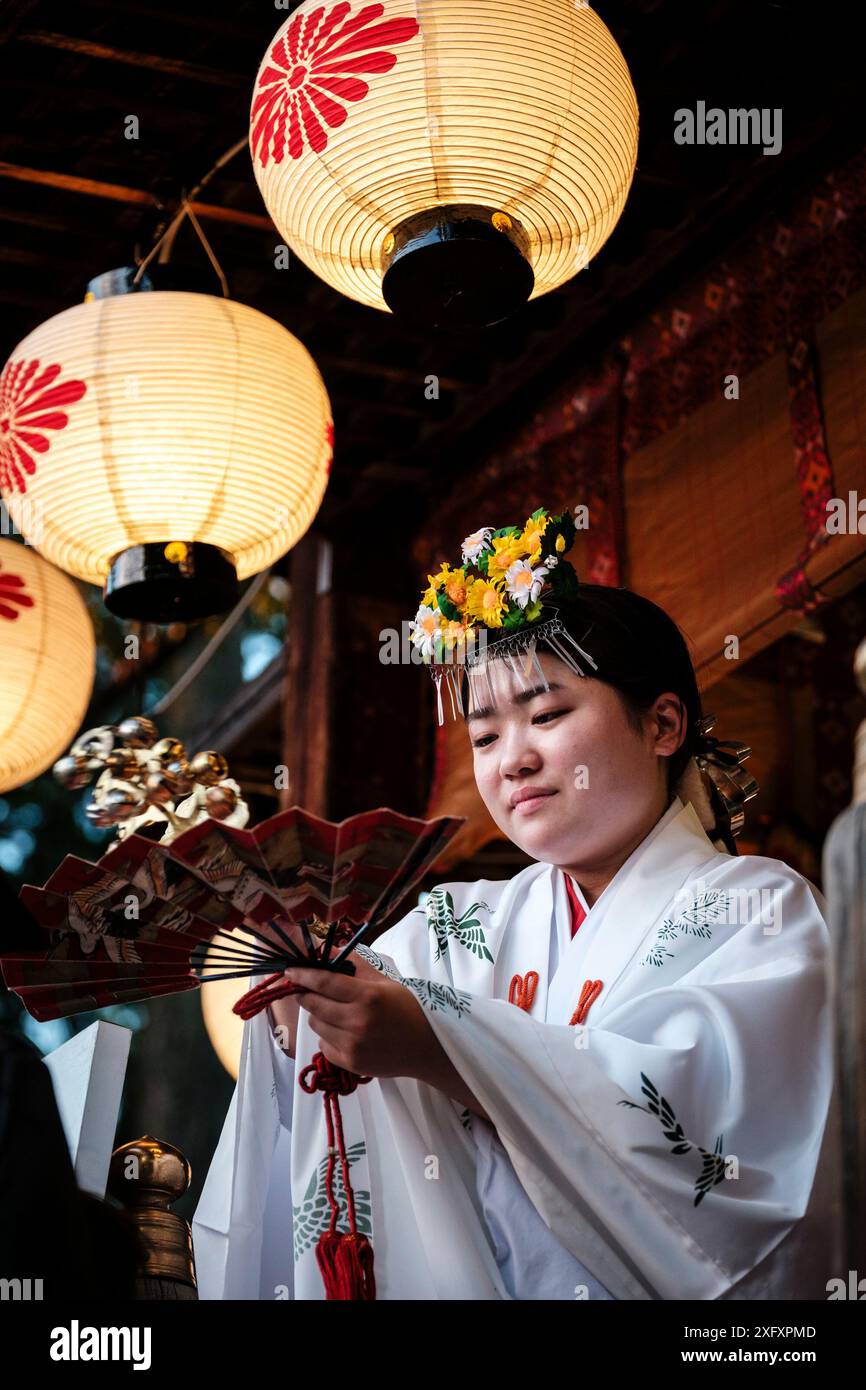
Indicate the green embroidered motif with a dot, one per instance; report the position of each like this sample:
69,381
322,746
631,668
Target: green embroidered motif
694,921
713,1168
372,958
467,930
313,1215
434,996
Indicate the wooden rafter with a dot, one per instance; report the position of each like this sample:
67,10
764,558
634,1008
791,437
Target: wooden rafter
119,193
173,67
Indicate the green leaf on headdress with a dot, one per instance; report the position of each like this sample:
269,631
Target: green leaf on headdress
563,581
532,611
549,535
562,525
566,529
508,531
514,619
481,562
446,607
538,513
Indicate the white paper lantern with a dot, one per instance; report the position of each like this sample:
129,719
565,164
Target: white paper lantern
472,152
47,662
167,443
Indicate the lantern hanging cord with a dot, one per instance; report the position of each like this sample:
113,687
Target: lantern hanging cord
207,246
216,641
186,210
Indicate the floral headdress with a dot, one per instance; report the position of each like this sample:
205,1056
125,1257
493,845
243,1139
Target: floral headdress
500,601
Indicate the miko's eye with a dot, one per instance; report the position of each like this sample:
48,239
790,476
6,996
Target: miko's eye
483,741
548,714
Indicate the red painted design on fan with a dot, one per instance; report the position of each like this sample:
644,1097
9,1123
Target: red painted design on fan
313,69
30,402
12,591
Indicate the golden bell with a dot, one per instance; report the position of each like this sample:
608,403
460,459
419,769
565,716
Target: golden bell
72,771
138,732
209,768
169,750
158,789
220,802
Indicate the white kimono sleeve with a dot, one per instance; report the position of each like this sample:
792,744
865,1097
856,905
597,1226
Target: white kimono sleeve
242,1229
671,1146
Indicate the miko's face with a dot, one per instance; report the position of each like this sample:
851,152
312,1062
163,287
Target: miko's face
562,771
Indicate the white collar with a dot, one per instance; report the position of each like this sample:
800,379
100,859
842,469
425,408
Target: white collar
637,894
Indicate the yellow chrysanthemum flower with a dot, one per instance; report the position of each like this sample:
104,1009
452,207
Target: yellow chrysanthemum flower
437,579
453,633
533,532
486,603
560,543
506,549
455,587
452,581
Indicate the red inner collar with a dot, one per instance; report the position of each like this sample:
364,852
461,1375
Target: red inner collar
578,912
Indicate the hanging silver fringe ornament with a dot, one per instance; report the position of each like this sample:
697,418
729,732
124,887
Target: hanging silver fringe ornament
509,648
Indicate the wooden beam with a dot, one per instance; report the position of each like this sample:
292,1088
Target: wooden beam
13,14
119,193
172,67
157,17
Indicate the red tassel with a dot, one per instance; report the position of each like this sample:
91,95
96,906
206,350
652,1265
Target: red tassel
345,1262
345,1258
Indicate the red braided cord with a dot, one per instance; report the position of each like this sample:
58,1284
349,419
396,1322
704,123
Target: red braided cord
261,995
334,1082
521,991
588,995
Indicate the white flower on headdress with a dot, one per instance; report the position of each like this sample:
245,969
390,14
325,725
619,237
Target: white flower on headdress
523,583
551,561
424,630
475,544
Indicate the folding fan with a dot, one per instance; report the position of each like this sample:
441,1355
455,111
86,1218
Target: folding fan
153,918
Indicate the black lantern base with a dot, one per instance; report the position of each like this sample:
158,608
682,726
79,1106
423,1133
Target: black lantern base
171,582
461,266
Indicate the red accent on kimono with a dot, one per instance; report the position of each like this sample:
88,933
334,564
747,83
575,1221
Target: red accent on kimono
578,913
522,989
30,402
312,70
588,995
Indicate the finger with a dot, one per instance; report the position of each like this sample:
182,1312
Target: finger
334,1039
327,983
323,1010
364,970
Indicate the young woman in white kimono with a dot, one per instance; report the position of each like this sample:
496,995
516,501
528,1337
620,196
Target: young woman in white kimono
609,1077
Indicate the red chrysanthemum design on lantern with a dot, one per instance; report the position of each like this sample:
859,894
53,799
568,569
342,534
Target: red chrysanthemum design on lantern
30,404
11,592
313,69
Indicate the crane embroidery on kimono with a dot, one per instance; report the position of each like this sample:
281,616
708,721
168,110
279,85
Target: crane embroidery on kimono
373,958
435,997
713,1167
466,930
694,921
313,1214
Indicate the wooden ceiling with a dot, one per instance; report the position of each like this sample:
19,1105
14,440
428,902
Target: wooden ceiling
77,197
